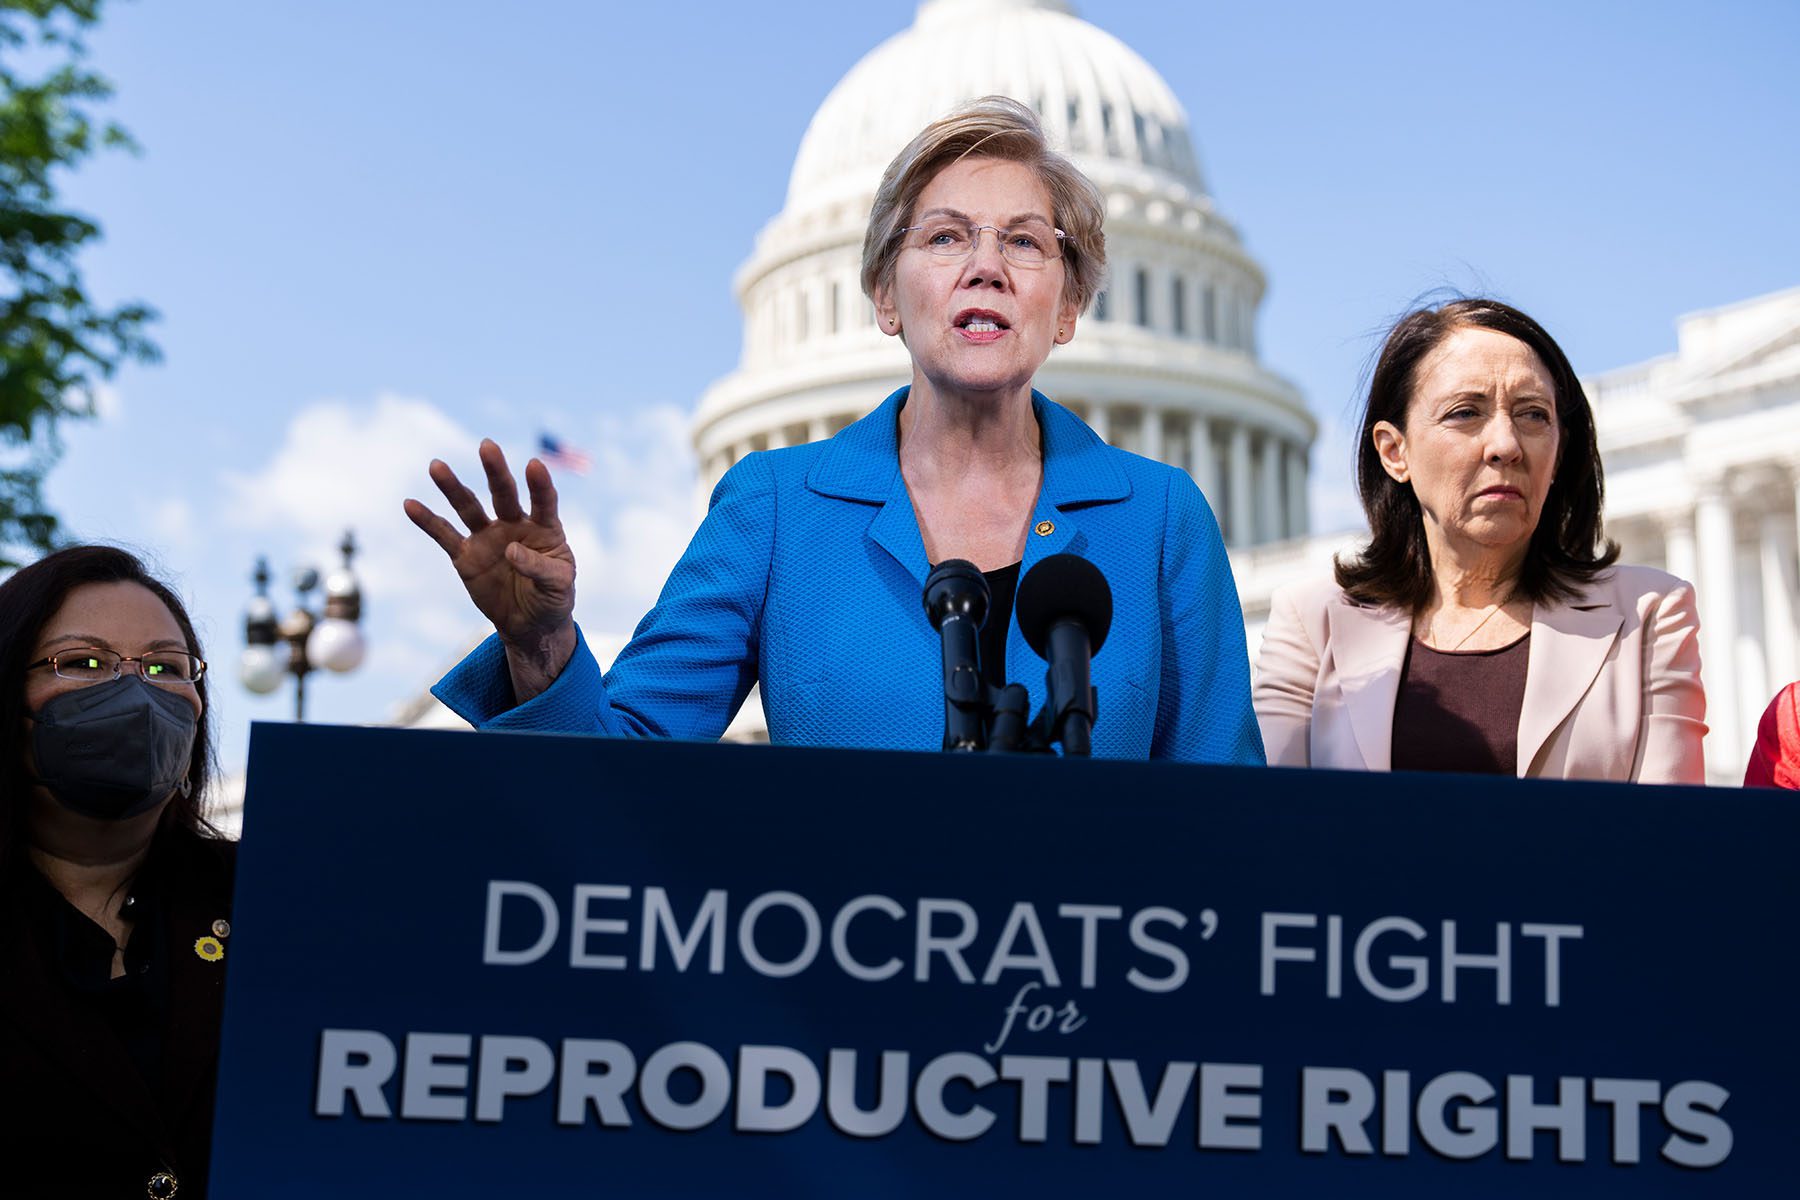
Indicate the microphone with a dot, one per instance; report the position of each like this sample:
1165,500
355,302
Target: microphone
956,601
1064,608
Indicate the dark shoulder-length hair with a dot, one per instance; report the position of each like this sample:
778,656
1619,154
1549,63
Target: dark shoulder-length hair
27,602
1567,548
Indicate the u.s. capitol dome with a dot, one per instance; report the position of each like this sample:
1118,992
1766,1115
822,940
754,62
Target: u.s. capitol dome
1166,363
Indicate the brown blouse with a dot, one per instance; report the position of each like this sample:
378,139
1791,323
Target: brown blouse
1459,710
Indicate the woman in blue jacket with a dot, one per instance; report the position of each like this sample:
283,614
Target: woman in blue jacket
806,575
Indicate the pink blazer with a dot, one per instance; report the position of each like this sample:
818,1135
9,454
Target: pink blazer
1612,683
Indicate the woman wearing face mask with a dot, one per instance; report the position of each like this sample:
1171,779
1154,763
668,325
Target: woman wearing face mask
114,890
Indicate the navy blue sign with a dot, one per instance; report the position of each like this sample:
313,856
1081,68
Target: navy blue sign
479,965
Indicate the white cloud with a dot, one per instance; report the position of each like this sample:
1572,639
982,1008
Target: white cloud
349,465
641,496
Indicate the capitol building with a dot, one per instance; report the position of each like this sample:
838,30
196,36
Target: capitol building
1702,446
1166,362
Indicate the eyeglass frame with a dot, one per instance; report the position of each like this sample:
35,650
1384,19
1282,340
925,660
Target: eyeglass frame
999,238
119,666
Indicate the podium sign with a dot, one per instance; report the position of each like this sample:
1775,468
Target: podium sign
477,965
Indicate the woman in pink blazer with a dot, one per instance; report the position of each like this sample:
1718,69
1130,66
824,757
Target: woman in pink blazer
1485,626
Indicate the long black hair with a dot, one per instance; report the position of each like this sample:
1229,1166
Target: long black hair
27,602
1567,548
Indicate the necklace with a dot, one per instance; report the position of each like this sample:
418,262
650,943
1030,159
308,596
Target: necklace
1463,641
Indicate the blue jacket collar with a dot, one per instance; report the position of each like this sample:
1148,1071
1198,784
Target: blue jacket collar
862,463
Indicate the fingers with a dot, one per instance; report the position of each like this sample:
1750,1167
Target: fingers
547,571
543,493
500,482
436,528
466,503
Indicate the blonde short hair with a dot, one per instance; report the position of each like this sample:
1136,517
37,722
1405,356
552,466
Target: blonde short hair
991,127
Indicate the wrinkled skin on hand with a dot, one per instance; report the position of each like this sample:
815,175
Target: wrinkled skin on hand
516,565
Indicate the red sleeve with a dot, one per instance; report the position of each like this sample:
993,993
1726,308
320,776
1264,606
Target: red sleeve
1775,759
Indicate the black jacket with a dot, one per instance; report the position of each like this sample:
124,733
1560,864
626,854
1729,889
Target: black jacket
84,1110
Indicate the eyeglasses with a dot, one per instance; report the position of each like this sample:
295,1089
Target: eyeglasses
1031,244
90,664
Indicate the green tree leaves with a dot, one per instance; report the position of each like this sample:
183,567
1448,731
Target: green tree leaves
56,345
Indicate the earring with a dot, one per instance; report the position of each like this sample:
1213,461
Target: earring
1059,333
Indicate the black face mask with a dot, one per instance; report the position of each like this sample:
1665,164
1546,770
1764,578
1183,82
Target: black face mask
116,749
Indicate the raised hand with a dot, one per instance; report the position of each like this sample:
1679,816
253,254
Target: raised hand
516,566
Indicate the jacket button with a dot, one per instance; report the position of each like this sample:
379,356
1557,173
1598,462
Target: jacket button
161,1186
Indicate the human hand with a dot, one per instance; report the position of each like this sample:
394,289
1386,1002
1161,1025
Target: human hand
516,566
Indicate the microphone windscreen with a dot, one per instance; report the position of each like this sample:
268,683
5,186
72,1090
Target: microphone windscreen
1063,587
956,585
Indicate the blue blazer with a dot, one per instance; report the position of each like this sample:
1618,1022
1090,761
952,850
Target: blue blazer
806,577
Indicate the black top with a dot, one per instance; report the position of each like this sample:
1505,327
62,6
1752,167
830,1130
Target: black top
108,1083
1459,710
134,1006
1002,584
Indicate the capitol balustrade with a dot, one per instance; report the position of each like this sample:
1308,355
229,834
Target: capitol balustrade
1254,479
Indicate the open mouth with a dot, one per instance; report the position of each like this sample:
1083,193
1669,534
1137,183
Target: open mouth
981,320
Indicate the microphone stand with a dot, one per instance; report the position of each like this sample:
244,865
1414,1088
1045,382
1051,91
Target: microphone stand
979,717
1070,703
956,600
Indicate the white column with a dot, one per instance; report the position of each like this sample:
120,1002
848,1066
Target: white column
1778,587
1153,434
818,429
1242,516
1717,596
1097,421
778,437
1678,542
1794,469
1203,464
706,481
1298,521
1270,521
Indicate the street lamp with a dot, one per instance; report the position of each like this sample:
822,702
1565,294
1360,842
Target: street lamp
331,639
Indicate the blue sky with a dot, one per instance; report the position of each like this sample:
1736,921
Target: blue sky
378,231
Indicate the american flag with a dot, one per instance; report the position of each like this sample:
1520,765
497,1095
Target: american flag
560,454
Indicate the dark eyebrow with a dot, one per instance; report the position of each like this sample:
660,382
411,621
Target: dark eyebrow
95,641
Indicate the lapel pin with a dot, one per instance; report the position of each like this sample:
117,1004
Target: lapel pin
210,948
1046,528
221,929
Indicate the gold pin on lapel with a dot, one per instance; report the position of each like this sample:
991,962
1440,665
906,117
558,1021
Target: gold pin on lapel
221,929
1046,528
209,948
